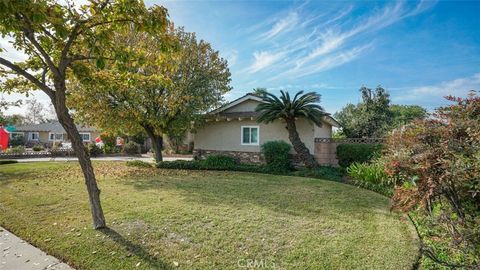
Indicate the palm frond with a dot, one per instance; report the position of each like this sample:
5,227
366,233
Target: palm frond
303,105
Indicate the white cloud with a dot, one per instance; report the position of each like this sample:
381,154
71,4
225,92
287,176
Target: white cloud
456,87
264,59
231,57
282,26
330,42
326,63
313,46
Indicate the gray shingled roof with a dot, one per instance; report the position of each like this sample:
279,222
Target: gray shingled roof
220,112
55,127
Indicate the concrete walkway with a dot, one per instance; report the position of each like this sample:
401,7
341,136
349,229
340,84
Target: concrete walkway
18,254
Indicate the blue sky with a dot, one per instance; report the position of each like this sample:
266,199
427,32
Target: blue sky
419,51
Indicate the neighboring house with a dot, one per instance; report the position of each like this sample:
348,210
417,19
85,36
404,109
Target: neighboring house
232,130
53,132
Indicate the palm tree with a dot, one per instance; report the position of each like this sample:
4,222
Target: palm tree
301,106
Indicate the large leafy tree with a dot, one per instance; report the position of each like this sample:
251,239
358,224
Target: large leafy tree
160,96
284,107
60,41
374,116
404,114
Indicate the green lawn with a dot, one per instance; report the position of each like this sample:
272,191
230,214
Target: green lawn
203,220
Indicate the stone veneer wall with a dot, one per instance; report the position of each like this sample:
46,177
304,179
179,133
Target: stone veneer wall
242,157
325,152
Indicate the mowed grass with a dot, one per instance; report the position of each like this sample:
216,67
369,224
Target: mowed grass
173,219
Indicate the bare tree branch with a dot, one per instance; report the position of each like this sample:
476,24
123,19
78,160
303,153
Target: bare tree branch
30,34
28,76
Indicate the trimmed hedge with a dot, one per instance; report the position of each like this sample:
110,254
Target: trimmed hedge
276,156
322,172
203,165
38,148
8,161
139,163
132,148
325,173
219,161
348,154
94,150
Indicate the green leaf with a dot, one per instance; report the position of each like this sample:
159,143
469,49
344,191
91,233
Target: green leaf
100,63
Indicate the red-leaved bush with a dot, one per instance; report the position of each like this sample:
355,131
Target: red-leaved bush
436,163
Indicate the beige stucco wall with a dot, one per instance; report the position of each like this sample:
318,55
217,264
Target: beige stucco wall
43,136
246,106
325,131
226,135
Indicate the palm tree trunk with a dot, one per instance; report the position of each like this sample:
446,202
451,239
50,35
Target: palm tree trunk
299,146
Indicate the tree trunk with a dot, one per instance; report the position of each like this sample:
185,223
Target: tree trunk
157,143
299,146
83,158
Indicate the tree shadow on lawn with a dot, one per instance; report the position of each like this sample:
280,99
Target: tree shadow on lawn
136,249
285,194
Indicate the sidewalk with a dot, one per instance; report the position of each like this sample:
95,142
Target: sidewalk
16,254
119,158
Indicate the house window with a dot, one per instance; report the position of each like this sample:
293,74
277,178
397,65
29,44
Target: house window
34,136
85,137
250,135
16,135
55,136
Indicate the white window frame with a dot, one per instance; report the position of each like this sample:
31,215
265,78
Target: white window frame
250,127
54,137
31,136
15,133
89,136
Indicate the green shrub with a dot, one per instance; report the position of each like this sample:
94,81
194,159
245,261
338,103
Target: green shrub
8,161
16,141
371,176
322,172
179,164
139,163
38,147
108,149
20,149
348,154
132,148
276,155
203,165
94,150
219,161
108,140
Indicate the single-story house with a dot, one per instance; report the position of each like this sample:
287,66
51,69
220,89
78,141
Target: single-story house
52,132
233,130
